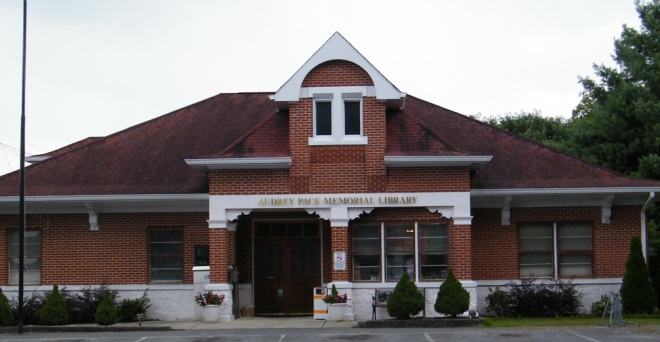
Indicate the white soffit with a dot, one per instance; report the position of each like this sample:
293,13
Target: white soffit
427,161
336,48
240,163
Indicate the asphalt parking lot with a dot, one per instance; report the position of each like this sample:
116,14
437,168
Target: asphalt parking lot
593,334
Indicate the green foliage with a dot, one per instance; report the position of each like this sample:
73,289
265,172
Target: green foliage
637,293
550,131
616,124
106,312
532,298
82,305
53,312
452,299
130,308
598,307
405,301
500,303
6,317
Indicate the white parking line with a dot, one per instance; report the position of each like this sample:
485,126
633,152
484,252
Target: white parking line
282,338
584,337
428,338
142,339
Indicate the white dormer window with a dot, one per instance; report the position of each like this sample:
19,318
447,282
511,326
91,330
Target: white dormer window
338,115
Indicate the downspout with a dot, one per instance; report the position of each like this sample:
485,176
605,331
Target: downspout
644,208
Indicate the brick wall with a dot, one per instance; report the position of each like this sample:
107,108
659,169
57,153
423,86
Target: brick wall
337,74
495,247
248,182
115,254
428,179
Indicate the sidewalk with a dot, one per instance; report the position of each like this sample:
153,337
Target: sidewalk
247,323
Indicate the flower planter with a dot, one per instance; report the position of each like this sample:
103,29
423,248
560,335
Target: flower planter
336,311
211,313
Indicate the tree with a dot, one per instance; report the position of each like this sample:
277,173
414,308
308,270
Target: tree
452,299
405,301
549,131
617,123
53,312
637,293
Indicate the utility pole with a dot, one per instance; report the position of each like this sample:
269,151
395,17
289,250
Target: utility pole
21,201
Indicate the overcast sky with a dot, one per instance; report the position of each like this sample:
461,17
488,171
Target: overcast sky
95,67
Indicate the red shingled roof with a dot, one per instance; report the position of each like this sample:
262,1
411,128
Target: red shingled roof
150,158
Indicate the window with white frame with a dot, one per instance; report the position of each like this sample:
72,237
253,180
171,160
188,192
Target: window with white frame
32,261
338,115
166,255
418,249
549,250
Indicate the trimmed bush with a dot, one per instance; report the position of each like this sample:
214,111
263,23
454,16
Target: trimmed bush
130,308
532,298
31,307
53,312
405,301
6,317
637,293
106,312
452,298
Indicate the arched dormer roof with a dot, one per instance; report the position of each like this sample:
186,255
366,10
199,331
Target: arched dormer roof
338,48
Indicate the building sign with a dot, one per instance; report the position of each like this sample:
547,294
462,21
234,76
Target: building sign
329,201
339,261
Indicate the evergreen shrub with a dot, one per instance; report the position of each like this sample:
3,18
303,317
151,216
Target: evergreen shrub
106,312
6,317
53,312
405,301
452,298
637,293
598,307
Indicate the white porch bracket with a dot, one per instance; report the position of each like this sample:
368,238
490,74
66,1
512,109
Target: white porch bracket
606,209
93,217
506,211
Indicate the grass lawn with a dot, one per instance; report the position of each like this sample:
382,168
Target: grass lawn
501,322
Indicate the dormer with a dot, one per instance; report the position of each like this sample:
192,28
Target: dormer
338,107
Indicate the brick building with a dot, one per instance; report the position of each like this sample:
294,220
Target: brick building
338,177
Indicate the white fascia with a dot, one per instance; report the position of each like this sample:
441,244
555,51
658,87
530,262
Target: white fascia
240,163
435,161
604,197
336,48
72,204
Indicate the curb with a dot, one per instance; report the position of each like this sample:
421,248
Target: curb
422,323
72,328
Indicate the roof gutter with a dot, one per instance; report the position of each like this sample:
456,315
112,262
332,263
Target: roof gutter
643,219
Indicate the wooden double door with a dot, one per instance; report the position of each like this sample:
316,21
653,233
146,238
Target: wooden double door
287,266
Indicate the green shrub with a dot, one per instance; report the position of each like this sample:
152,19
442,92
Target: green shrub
31,307
6,317
82,305
405,301
53,312
532,298
598,307
500,303
106,312
452,298
130,308
637,293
